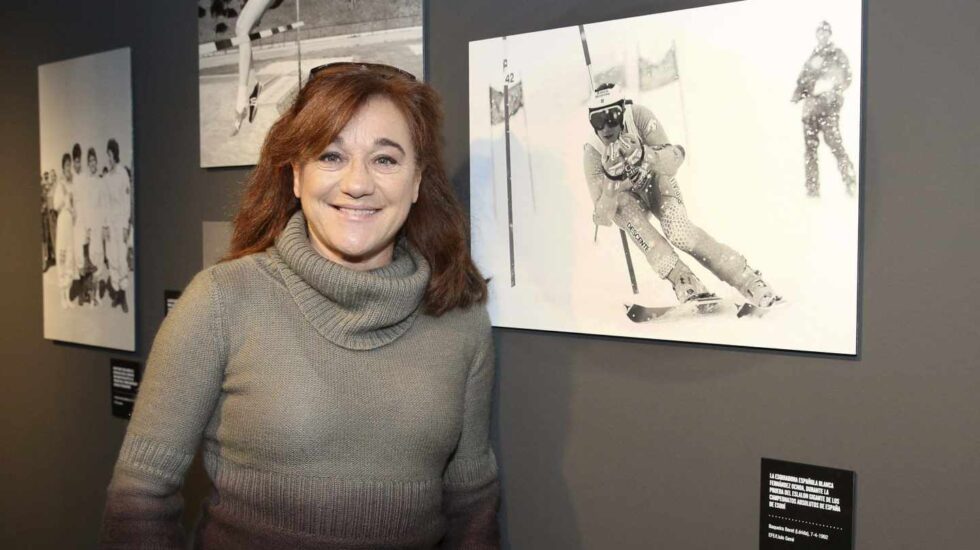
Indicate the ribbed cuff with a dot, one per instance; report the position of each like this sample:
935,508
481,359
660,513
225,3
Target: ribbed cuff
145,456
468,473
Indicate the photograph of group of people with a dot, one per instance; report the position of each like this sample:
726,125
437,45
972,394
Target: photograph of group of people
87,192
87,227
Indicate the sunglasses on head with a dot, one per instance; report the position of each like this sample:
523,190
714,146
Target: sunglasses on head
380,68
610,116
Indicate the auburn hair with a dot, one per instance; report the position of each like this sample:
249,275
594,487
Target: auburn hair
436,225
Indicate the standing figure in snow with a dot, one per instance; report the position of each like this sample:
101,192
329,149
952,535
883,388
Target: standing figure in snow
821,84
629,168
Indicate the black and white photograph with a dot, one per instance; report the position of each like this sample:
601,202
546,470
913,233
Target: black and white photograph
689,176
87,251
253,55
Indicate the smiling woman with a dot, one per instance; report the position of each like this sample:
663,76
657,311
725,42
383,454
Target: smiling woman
357,195
338,365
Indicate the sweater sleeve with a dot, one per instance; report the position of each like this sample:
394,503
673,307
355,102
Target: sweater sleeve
471,490
176,400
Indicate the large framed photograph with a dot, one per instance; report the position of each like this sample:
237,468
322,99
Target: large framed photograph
689,176
254,55
87,255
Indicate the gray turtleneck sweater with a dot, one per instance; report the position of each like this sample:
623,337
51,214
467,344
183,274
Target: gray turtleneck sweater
333,413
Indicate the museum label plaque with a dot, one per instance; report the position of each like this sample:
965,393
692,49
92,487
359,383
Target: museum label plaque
805,507
125,379
169,300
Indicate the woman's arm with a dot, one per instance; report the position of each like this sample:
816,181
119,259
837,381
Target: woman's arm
471,490
176,400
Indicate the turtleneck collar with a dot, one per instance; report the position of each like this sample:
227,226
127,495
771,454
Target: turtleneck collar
357,310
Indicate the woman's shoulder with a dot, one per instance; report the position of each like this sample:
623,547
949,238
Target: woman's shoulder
465,324
234,277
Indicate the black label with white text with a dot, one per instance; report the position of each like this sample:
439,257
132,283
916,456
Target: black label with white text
125,380
169,300
805,507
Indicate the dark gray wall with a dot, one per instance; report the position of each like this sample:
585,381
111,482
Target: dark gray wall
604,443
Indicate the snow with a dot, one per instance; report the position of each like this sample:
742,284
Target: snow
743,181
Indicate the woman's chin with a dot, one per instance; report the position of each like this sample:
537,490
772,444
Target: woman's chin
361,256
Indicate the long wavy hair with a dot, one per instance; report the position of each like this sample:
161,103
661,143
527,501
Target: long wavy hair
436,225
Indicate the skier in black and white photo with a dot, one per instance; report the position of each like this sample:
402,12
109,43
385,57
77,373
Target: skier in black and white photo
630,166
821,84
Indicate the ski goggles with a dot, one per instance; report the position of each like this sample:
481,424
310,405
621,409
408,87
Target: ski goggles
608,116
351,66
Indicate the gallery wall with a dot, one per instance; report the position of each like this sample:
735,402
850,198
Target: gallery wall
603,442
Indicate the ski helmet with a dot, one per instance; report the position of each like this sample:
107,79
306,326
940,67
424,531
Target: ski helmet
606,95
606,106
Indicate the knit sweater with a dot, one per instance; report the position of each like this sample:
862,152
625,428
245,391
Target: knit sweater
332,412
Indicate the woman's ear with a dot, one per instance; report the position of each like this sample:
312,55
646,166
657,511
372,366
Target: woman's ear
418,183
297,180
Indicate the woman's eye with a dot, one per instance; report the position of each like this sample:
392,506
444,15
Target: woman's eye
331,157
386,161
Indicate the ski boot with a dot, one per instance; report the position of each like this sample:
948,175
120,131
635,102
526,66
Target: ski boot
755,289
253,102
687,286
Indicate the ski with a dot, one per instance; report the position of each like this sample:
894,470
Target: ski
699,306
749,310
702,306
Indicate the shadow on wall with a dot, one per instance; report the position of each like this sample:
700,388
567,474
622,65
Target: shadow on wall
535,507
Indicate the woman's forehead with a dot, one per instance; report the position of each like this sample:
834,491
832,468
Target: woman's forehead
378,122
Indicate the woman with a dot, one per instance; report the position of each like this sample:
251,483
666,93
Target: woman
64,238
339,366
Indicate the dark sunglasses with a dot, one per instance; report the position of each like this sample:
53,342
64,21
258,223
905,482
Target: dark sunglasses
380,68
612,116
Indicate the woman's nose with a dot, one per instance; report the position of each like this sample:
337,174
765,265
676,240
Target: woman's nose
358,181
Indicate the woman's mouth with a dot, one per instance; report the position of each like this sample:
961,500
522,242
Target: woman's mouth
358,213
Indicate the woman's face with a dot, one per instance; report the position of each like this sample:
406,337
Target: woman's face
357,194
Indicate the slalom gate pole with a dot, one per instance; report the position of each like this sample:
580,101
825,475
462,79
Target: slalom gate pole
299,55
622,234
510,201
